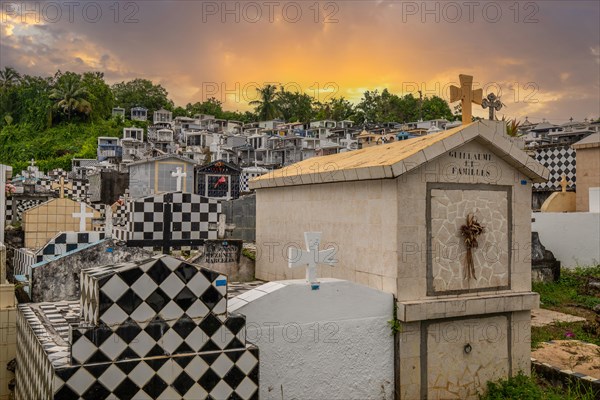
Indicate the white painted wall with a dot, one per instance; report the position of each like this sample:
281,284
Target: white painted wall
595,199
331,343
574,237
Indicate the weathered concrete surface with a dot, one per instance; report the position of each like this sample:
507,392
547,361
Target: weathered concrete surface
242,213
544,266
331,343
225,257
58,279
543,317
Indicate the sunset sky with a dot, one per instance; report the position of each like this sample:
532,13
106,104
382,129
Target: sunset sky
544,56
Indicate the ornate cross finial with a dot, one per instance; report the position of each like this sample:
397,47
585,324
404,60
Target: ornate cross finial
466,95
563,183
310,257
178,174
493,103
32,162
83,216
571,119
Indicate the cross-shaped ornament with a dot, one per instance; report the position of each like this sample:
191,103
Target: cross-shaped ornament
466,95
62,186
493,102
310,257
82,215
563,183
178,174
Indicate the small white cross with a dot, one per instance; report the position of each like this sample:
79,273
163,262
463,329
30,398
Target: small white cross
178,175
82,215
310,257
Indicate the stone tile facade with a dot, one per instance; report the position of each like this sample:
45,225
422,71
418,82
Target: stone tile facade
393,214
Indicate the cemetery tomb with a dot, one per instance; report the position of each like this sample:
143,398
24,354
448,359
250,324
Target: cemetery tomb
62,243
157,328
558,160
333,343
154,176
57,278
218,180
443,222
43,222
168,221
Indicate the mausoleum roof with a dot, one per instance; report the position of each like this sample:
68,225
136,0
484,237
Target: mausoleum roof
394,159
592,140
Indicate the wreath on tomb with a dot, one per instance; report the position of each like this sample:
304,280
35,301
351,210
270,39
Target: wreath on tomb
470,232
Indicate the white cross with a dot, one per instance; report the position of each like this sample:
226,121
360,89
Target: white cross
82,215
348,142
178,175
310,257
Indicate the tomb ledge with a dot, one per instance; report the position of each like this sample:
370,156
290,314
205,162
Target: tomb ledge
427,309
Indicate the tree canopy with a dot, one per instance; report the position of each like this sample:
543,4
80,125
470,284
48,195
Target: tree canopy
56,118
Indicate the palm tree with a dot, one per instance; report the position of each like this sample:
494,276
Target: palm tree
70,95
9,77
266,107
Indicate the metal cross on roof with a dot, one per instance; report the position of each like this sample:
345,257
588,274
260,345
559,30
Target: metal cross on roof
493,103
466,95
310,257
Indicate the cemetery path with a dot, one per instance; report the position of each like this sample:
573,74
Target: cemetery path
570,354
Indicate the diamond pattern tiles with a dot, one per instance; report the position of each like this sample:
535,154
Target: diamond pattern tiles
226,375
162,286
559,160
154,329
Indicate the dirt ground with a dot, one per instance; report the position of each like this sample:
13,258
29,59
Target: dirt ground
570,354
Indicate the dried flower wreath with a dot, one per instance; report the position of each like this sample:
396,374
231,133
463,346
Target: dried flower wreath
470,231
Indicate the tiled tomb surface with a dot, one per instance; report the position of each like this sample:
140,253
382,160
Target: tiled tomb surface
43,222
15,207
559,160
62,243
168,221
449,205
155,329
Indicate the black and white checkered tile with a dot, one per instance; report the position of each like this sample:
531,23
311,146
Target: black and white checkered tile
226,375
154,329
8,212
189,217
163,284
250,173
559,160
80,190
62,243
120,216
16,207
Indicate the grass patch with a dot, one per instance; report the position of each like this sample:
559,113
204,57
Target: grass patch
534,388
570,294
569,290
562,331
